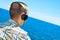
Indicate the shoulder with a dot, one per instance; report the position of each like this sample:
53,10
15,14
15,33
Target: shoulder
5,24
3,27
20,30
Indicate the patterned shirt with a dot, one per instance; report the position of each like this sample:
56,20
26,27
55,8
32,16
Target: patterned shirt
11,31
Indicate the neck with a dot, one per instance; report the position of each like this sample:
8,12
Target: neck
18,21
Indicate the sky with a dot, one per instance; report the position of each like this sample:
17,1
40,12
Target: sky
46,10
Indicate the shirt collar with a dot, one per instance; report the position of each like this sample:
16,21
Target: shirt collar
13,23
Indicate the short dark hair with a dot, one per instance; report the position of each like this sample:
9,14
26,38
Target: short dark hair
16,9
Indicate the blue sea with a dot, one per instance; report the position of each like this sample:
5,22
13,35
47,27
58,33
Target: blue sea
37,29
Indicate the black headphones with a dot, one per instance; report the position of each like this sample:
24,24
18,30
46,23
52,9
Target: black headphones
24,16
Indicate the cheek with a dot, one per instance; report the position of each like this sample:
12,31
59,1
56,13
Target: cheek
21,21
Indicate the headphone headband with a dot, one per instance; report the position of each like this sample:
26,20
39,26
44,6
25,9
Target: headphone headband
16,5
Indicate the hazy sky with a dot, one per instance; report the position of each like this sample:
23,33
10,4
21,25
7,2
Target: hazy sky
46,10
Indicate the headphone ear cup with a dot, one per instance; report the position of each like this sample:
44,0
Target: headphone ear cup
24,17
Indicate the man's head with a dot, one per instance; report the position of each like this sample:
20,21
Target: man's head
18,12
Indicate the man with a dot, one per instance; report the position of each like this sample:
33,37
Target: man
11,30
